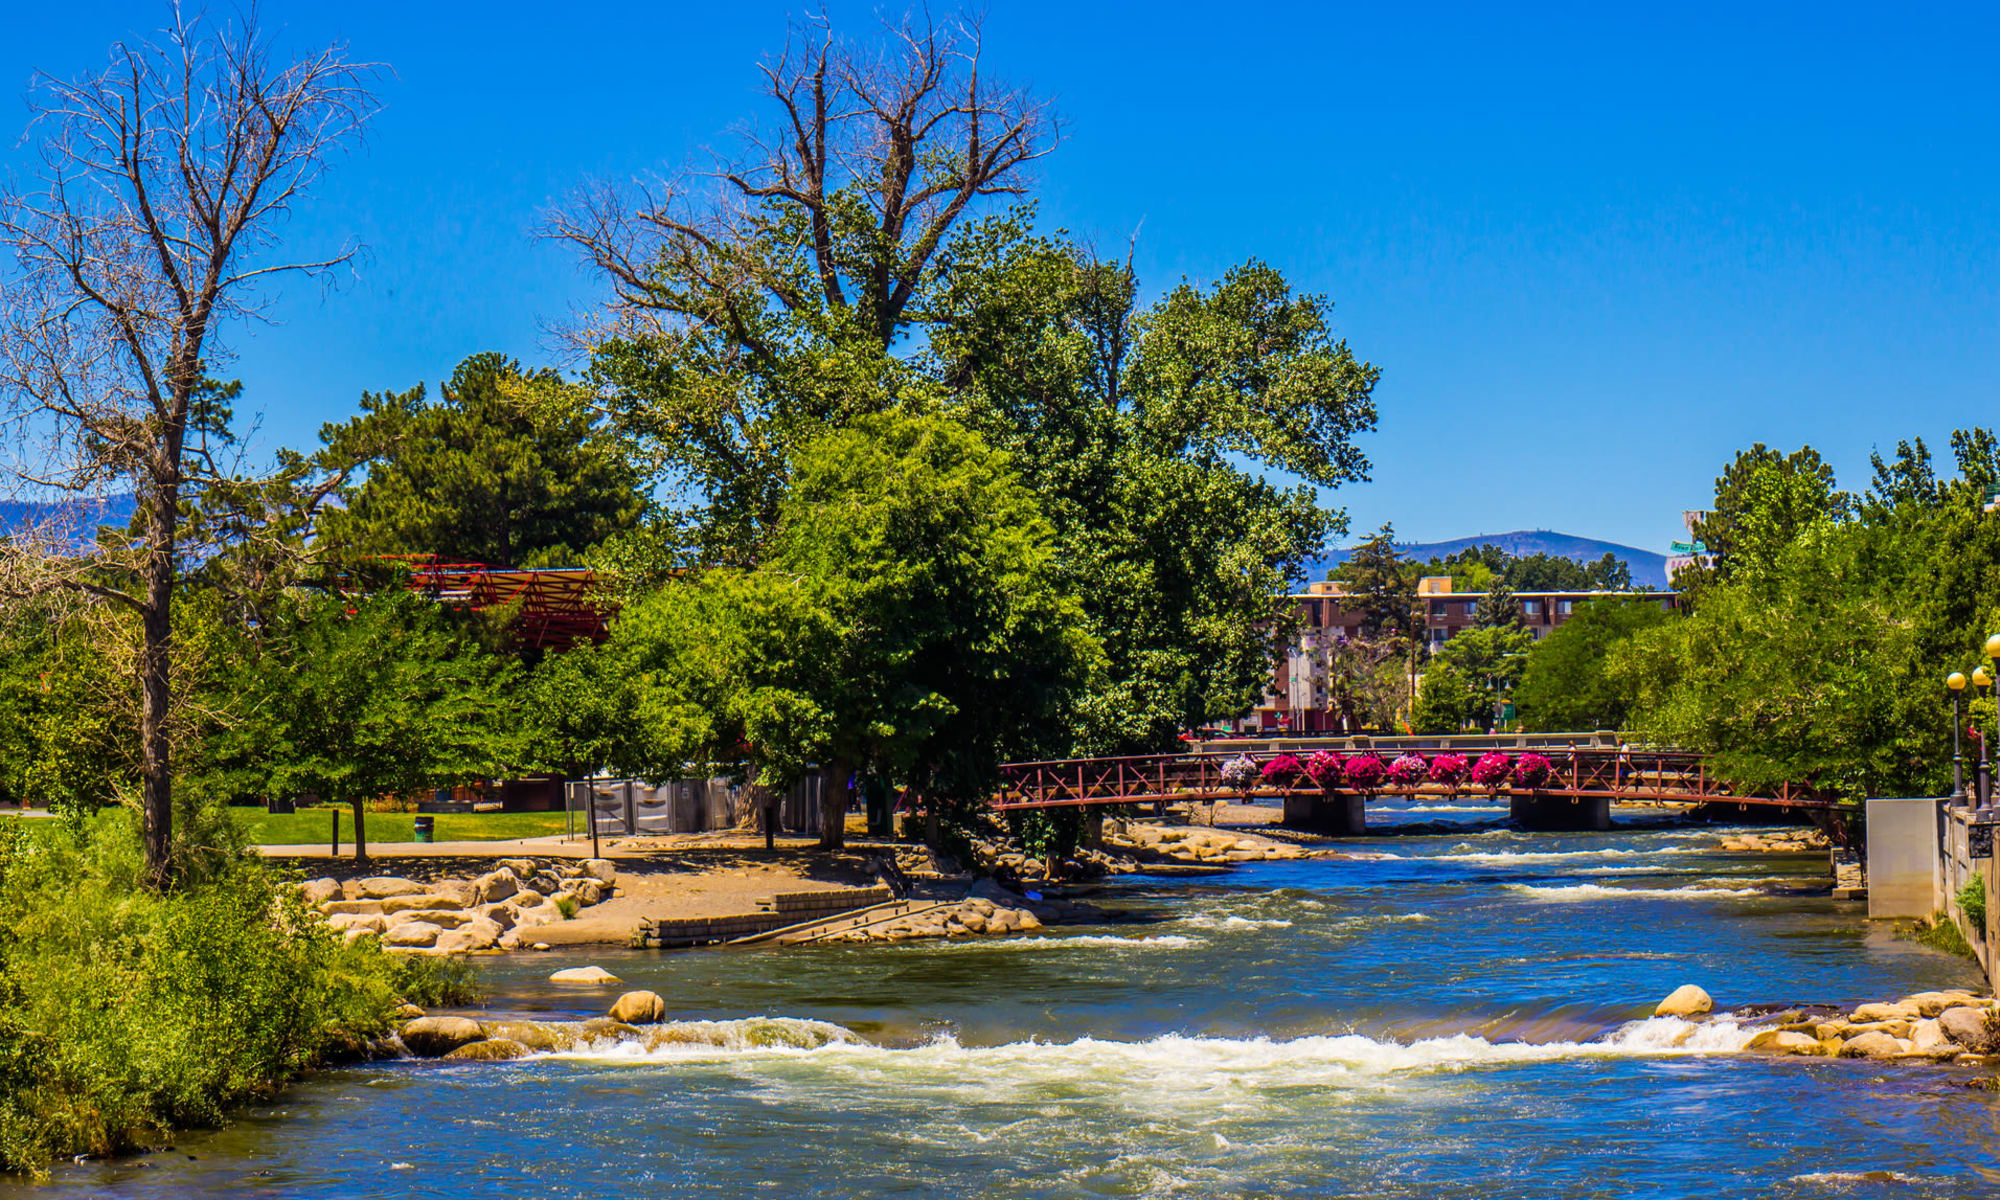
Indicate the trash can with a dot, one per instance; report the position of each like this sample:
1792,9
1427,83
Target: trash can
423,827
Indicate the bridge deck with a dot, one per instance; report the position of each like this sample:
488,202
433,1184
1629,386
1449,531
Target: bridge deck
1584,773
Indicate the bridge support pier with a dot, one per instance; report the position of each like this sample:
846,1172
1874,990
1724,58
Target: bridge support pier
1315,812
1552,814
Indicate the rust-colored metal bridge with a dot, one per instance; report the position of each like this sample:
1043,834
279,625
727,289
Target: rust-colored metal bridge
1576,794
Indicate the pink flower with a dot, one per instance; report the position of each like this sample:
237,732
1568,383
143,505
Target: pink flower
1533,770
1323,768
1365,770
1283,769
1408,769
1449,768
1491,770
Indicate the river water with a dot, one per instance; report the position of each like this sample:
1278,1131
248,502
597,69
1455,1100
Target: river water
1453,1015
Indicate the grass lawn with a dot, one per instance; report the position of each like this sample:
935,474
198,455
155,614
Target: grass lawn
310,825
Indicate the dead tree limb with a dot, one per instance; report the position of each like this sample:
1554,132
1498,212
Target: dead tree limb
154,217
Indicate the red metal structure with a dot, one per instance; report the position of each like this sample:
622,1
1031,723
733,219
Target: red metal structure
556,607
1607,772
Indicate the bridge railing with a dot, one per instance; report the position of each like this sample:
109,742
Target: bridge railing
1663,775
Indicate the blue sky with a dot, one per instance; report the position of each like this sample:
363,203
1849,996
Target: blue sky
1594,249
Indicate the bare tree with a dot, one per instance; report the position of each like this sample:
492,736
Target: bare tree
842,205
151,225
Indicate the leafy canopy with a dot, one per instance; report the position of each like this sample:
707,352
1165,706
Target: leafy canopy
489,473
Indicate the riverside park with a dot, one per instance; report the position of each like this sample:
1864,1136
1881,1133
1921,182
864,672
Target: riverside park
740,601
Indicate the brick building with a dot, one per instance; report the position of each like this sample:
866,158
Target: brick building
1296,700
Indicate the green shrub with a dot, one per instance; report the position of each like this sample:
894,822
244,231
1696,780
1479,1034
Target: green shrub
435,982
566,905
128,1014
1939,932
1972,902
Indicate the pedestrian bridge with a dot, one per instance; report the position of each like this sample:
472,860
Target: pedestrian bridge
1576,793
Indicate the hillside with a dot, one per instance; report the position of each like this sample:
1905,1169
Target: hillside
76,519
1648,569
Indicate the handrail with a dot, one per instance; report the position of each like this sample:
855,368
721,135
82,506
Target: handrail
1678,776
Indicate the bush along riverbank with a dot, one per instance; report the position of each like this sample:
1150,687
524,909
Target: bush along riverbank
127,1014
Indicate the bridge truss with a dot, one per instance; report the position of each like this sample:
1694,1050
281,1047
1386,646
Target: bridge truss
1670,776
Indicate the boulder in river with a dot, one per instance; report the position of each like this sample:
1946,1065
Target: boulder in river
1780,1041
476,934
489,1050
1931,1004
532,1034
1873,1045
434,1037
638,1008
1686,1000
1927,1037
1970,1028
596,976
1902,1011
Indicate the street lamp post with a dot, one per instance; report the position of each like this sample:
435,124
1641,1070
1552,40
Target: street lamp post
1956,683
1981,679
1993,652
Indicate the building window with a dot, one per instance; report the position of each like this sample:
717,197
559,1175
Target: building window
1531,608
1563,606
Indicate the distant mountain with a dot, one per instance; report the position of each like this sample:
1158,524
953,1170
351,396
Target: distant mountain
75,520
1648,569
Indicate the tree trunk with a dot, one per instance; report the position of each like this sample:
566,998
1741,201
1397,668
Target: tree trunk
156,770
360,831
833,805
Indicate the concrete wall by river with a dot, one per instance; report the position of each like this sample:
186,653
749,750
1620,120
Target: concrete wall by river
1922,852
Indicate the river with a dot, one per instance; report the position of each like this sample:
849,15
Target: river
1457,1015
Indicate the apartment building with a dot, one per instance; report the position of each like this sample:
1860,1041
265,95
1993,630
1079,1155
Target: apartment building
1297,698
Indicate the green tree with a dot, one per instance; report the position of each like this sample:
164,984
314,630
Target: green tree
152,221
579,712
493,472
1384,588
365,698
1489,660
1446,702
881,279
65,709
1497,608
1557,573
1802,677
1566,684
906,622
1763,499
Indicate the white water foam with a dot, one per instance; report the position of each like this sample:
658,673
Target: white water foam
1381,919
1467,854
1178,1063
1212,921
1842,1179
1593,891
1165,941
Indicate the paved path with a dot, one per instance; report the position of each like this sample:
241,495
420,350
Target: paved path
614,847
